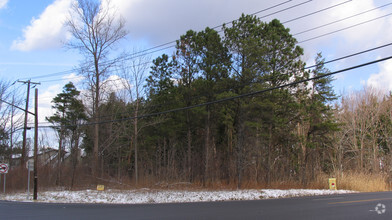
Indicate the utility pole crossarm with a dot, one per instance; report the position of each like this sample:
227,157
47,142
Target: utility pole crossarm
29,81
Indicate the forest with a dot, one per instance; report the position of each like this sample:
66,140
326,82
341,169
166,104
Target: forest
224,109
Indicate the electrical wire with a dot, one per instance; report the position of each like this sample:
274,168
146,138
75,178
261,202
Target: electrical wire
246,84
343,19
330,61
137,54
1,100
218,26
65,72
145,52
268,15
315,12
303,41
343,29
239,96
351,55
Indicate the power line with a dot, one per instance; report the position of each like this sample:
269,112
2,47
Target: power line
8,103
326,62
346,28
308,67
268,15
134,55
319,36
255,93
148,51
56,74
17,89
245,84
313,38
351,55
297,33
315,12
78,77
343,19
255,13
285,9
239,96
218,26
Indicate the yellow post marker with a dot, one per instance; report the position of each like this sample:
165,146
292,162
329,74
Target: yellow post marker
332,183
100,187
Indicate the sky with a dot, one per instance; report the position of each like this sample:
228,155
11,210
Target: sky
33,35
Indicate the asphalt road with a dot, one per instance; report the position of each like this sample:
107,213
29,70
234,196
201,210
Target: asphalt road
346,206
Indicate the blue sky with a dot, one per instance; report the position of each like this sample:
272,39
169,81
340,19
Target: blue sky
32,35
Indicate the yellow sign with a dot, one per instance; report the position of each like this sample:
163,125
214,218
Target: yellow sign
332,183
100,187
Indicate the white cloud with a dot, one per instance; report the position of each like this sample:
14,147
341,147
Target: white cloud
383,79
48,31
3,3
366,27
74,78
115,84
156,22
45,101
161,21
46,96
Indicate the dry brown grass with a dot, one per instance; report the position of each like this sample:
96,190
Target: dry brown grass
362,182
17,181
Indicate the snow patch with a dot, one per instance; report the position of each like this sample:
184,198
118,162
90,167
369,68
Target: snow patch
146,196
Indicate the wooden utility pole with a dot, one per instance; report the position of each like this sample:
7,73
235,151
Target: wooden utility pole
36,147
22,159
35,139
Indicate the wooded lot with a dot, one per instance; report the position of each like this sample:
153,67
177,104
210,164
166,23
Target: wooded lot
223,109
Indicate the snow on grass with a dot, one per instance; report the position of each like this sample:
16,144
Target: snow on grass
143,196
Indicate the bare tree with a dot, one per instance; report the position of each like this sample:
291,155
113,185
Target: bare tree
96,31
10,118
361,131
135,72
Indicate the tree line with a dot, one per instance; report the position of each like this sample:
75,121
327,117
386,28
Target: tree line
292,133
216,110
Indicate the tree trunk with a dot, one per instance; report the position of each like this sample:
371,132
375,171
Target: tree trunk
96,117
165,159
240,146
59,159
74,156
189,145
269,157
207,148
135,134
